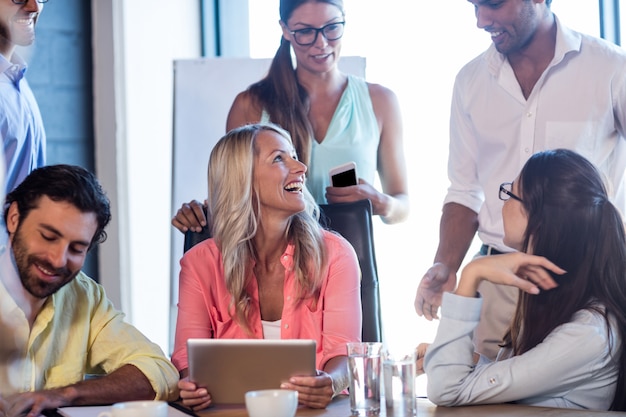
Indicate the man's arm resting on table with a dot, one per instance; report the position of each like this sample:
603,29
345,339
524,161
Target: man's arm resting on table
124,384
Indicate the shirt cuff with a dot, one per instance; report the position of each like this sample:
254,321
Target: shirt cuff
461,308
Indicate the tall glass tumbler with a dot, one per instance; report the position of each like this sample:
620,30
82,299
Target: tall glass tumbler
399,384
364,361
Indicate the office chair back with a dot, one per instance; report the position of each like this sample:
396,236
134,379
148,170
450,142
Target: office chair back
354,222
193,238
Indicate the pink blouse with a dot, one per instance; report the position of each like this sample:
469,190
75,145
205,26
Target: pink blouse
203,303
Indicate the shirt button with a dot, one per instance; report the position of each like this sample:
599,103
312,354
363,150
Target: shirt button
529,114
288,298
492,381
527,150
286,326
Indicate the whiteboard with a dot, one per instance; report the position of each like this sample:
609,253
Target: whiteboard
204,90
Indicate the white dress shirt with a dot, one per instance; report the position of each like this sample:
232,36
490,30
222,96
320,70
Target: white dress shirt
579,103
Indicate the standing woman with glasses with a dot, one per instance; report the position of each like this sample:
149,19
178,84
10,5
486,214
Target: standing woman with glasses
564,347
333,117
21,125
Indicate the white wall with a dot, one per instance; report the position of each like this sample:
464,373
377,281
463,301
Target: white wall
135,43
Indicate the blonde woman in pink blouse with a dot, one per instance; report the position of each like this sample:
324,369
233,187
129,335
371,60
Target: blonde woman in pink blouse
270,270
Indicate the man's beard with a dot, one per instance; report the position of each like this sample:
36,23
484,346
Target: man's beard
24,261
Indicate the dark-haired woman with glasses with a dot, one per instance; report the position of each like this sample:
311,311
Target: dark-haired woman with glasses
564,347
333,117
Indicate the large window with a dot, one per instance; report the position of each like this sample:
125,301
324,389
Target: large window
580,15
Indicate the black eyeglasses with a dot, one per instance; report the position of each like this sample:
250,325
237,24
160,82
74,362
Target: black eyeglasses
308,36
506,193
26,1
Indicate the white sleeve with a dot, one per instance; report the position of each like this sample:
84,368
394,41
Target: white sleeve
573,355
462,156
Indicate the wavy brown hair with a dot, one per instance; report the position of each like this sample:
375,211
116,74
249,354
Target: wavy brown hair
572,223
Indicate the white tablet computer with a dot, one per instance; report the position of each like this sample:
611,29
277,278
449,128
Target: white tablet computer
228,368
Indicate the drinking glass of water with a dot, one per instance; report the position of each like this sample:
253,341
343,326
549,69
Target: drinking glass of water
399,383
364,360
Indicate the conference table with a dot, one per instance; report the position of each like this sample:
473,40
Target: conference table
340,407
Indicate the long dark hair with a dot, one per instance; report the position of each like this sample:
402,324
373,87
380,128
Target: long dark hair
572,223
280,93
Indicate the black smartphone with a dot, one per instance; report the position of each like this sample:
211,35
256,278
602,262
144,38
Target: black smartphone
343,175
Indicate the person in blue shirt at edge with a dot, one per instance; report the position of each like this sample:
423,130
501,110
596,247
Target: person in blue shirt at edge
565,344
539,86
57,326
332,117
21,126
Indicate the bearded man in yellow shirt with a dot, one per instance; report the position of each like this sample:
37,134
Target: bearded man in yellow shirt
56,324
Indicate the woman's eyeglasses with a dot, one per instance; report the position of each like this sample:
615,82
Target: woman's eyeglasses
506,193
308,36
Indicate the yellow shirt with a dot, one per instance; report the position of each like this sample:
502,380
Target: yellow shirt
76,333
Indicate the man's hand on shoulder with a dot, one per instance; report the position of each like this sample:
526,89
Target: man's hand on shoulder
190,216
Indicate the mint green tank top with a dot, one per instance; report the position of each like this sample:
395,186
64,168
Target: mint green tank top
352,135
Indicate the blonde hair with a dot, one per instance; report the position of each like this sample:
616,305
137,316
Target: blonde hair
234,215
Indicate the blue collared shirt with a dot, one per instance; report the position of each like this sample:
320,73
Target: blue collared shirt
21,125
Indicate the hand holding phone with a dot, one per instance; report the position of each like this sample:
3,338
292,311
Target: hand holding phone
343,175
